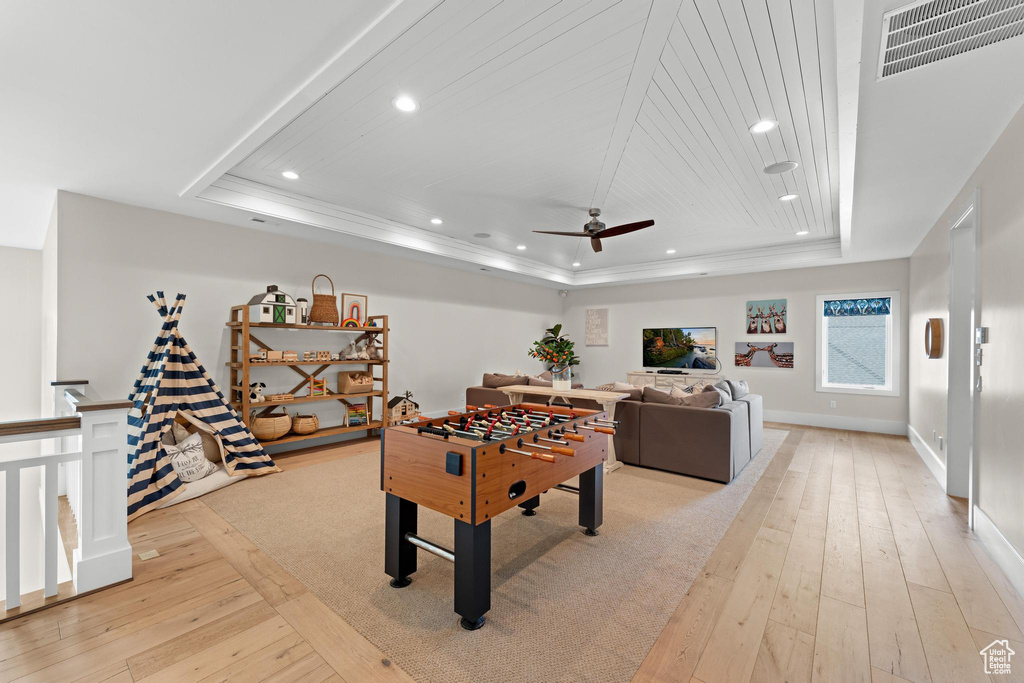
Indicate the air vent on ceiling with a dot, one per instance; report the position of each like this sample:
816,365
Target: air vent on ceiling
929,31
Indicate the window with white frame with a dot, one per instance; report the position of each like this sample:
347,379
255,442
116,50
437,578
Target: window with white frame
858,343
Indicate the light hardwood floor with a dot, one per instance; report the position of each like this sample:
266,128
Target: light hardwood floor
847,562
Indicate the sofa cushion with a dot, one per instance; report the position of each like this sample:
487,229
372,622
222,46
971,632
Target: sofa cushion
635,393
705,399
679,392
724,393
537,382
651,395
738,388
497,380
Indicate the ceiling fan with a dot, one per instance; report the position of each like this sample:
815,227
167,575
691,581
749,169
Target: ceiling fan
595,230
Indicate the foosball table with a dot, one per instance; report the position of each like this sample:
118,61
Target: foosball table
476,464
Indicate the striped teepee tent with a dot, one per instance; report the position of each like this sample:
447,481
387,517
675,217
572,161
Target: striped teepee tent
173,381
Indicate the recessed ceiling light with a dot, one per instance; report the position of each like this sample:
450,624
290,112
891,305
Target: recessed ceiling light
481,235
780,167
405,103
788,197
290,175
670,251
763,126
521,247
803,232
436,221
576,264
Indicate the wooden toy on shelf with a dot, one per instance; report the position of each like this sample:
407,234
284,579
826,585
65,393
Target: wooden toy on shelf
290,356
403,409
317,387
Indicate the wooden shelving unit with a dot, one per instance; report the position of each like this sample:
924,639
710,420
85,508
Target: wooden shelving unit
242,369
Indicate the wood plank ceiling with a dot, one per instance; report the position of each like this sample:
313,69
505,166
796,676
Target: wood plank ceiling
519,100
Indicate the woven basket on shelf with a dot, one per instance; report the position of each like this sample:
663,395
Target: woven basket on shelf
325,306
305,424
270,427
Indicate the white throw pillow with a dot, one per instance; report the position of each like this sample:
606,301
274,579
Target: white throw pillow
622,386
678,392
188,460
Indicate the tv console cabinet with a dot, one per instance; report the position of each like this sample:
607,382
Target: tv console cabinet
651,378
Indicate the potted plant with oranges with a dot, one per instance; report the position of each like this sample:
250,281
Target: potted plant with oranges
556,349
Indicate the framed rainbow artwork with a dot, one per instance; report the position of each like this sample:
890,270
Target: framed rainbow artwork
353,310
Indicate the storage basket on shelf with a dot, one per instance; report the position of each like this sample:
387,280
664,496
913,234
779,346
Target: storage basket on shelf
325,306
270,427
356,382
305,424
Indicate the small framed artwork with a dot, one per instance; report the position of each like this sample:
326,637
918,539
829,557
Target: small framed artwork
766,317
353,310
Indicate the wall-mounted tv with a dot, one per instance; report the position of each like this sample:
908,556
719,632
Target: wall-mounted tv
680,347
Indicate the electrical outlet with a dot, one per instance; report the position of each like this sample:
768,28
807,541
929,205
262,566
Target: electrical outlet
940,443
831,404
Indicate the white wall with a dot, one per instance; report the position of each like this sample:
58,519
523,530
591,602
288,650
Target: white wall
20,330
721,302
448,326
1000,468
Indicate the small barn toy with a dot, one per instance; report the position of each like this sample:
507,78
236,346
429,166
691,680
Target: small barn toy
273,306
403,409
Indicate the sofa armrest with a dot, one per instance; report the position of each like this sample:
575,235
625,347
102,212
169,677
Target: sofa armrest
688,440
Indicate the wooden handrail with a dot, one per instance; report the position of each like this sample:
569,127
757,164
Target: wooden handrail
82,404
39,425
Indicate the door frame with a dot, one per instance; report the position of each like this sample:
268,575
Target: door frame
961,409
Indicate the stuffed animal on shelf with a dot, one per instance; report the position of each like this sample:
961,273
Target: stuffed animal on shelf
350,352
373,351
256,392
362,353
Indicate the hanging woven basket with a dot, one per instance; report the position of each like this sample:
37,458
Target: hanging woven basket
270,427
325,306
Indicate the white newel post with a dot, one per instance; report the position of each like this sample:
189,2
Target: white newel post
103,556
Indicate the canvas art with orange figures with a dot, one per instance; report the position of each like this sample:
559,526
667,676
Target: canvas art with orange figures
766,317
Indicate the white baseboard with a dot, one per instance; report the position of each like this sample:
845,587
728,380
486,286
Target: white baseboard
857,424
931,460
1000,549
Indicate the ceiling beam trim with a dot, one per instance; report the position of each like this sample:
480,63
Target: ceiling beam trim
849,27
395,20
648,55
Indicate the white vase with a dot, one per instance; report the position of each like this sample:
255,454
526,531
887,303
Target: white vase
561,380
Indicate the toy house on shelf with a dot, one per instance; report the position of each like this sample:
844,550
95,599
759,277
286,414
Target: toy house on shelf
273,306
402,409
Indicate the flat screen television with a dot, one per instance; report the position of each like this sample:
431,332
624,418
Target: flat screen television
680,347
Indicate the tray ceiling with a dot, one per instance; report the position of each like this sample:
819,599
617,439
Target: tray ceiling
532,111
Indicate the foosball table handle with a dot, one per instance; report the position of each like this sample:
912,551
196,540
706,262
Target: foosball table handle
573,437
605,430
562,451
490,406
469,409
546,457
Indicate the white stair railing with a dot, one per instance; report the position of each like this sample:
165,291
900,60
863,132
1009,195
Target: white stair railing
91,443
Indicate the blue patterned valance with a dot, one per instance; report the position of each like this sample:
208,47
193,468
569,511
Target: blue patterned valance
849,307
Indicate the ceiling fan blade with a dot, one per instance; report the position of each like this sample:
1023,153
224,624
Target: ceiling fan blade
628,227
567,234
595,243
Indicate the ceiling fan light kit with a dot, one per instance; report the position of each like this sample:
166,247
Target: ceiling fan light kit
596,230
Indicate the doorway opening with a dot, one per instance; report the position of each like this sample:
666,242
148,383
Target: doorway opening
962,387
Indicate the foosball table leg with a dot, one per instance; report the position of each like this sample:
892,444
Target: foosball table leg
592,499
472,573
529,506
399,553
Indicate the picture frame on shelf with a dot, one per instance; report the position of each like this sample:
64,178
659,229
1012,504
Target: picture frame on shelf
353,310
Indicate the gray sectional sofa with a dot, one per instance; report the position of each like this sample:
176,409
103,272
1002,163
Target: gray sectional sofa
710,443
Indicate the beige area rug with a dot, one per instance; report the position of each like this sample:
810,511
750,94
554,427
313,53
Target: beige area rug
564,606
